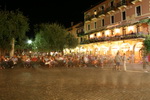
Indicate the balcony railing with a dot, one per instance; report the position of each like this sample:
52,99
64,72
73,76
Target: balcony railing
101,13
110,9
115,38
122,4
80,34
88,18
93,17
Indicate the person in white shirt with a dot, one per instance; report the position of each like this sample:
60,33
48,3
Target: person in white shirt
124,61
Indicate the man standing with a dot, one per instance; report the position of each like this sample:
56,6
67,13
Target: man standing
118,61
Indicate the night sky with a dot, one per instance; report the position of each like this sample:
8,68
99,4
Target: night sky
41,11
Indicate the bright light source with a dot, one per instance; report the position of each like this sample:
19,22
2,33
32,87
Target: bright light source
92,36
117,30
130,28
107,32
29,41
98,34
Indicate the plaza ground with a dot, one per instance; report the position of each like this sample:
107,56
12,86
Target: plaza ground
74,84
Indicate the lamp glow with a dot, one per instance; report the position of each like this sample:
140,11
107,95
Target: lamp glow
29,42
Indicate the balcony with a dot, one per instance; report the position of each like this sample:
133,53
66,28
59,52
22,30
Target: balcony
122,4
135,1
93,17
87,19
110,10
115,38
80,34
101,14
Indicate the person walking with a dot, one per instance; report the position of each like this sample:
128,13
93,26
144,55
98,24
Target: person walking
132,58
124,62
118,61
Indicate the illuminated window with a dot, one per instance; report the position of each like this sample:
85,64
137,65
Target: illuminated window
98,34
91,36
130,29
107,33
95,12
117,30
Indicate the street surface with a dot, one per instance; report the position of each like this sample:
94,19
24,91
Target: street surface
73,84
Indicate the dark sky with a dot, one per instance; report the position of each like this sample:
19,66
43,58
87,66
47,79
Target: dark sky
41,11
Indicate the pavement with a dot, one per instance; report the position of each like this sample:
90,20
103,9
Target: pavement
132,67
88,83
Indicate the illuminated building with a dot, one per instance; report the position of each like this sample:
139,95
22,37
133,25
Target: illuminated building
115,25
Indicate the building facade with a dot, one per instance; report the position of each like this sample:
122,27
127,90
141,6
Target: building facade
115,25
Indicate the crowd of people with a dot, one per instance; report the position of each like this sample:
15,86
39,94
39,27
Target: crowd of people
117,62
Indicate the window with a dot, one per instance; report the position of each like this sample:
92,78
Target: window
89,27
112,19
102,8
81,39
103,22
138,11
95,25
123,15
95,12
112,3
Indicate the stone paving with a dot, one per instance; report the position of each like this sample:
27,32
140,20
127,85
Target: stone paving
73,84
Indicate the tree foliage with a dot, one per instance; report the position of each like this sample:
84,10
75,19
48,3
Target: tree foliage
145,21
52,37
146,44
13,25
72,42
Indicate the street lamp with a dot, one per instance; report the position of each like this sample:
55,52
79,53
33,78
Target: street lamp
29,41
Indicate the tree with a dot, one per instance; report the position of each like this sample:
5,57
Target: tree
146,21
13,25
72,42
50,37
53,37
146,44
21,45
145,49
4,37
40,44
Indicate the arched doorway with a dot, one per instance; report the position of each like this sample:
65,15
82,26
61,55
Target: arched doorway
114,49
137,51
104,50
125,48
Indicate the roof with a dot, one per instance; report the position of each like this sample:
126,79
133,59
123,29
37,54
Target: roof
92,6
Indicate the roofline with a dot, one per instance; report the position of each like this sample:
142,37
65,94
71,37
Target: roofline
92,6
